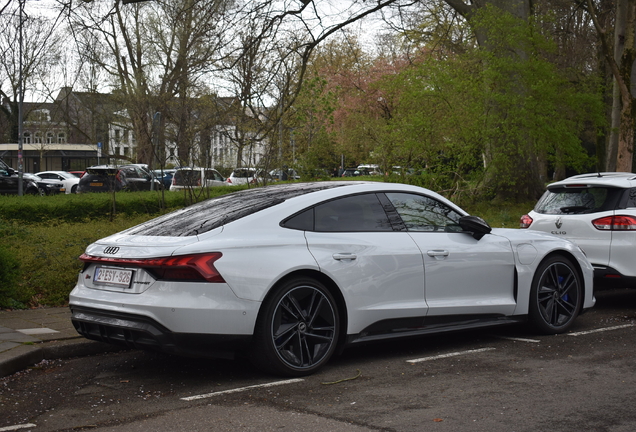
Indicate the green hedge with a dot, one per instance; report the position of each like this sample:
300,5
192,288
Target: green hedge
91,206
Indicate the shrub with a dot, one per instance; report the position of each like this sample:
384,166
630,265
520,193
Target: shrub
9,270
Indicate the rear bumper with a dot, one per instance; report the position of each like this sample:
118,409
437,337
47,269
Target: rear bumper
608,277
142,332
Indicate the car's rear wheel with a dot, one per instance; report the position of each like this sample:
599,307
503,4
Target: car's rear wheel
297,329
556,296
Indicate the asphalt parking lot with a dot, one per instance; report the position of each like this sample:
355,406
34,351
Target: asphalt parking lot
492,380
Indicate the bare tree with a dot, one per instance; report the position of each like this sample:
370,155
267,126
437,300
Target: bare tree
40,56
153,52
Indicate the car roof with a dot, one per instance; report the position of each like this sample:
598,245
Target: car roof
218,211
607,179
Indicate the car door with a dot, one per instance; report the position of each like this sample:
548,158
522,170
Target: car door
213,178
380,271
463,276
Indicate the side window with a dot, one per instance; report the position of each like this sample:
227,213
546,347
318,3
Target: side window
302,221
631,200
358,213
421,213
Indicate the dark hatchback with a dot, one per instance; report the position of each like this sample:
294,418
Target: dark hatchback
107,178
9,181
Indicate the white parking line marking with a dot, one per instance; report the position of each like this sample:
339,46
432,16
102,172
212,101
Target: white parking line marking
16,427
600,330
443,356
517,339
242,389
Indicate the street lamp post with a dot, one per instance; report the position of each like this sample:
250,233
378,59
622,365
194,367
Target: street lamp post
20,101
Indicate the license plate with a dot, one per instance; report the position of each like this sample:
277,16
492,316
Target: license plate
97,184
113,277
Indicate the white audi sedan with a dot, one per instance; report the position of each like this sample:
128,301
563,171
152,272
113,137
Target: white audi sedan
290,274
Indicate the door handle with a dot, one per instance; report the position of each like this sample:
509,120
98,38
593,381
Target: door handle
438,253
344,256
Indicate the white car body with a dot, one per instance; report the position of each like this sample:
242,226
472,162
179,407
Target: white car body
69,180
377,278
243,176
601,196
198,177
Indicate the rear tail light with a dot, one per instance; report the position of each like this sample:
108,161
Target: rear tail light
615,223
229,180
525,221
199,267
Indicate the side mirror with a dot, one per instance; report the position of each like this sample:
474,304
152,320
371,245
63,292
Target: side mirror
476,225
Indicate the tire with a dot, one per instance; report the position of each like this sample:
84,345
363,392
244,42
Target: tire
74,189
556,296
297,329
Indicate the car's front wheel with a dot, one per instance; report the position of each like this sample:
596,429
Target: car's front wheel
297,329
556,295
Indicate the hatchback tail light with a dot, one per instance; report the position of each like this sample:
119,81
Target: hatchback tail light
229,180
615,223
525,221
199,267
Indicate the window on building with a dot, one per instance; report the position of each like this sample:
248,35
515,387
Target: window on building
61,138
50,138
38,138
26,137
117,135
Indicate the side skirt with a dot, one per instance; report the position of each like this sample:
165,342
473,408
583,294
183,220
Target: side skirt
414,327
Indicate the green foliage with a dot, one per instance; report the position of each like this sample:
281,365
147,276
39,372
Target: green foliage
9,270
98,206
497,121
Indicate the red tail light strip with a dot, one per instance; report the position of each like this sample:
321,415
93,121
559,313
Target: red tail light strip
199,267
615,223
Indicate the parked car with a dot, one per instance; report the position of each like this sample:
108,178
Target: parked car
46,186
9,182
164,176
289,274
69,181
241,176
355,172
597,211
196,178
104,178
284,174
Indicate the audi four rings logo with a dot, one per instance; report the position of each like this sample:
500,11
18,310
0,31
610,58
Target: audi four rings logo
111,250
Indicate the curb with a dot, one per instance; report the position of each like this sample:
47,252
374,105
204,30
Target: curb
26,355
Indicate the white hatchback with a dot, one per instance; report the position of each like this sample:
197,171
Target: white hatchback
597,211
196,178
69,180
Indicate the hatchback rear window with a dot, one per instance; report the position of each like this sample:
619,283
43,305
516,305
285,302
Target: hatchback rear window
216,212
187,177
578,200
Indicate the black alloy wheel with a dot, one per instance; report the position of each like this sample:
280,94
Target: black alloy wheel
556,296
297,331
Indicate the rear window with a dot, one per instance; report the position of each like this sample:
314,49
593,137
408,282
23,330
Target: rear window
187,177
216,212
578,200
245,173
